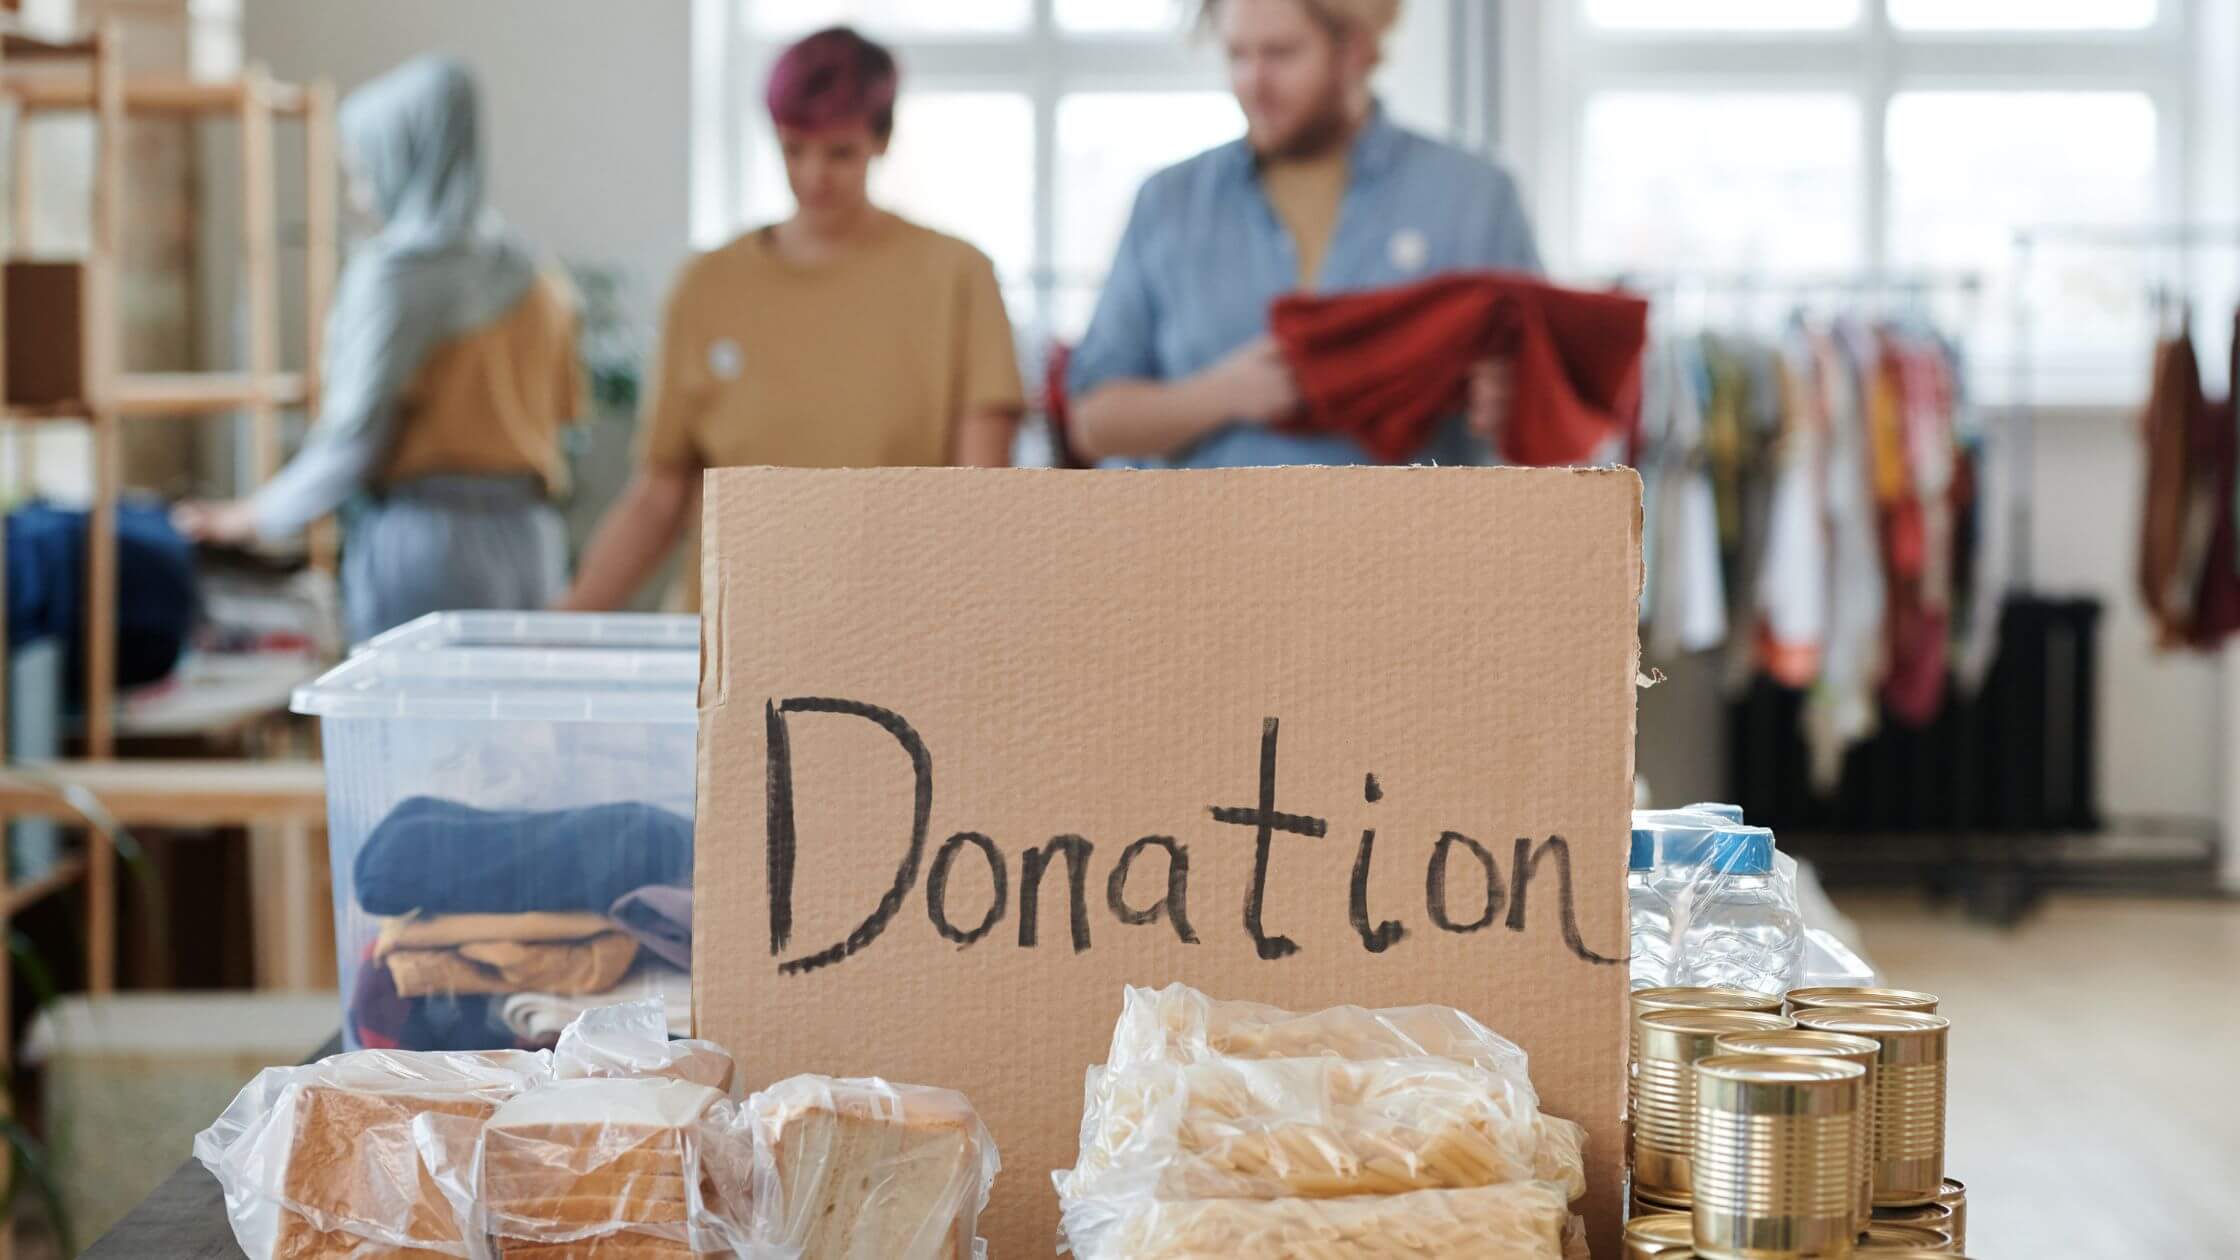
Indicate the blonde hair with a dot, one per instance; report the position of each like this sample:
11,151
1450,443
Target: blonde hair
1373,18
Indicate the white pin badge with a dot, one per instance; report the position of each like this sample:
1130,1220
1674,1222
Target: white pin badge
1409,250
725,360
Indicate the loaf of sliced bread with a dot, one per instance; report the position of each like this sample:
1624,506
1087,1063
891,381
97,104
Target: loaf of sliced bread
873,1171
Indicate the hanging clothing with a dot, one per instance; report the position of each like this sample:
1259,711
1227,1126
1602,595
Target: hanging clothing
1386,367
1840,709
2165,427
1684,594
2216,453
1792,606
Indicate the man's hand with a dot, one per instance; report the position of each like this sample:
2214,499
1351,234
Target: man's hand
1490,392
229,521
1254,385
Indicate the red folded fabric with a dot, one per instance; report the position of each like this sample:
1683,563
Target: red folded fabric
1384,367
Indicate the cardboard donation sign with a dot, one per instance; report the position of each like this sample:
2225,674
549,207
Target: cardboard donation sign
979,748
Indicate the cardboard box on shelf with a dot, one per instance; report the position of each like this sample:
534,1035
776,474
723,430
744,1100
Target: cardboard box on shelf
979,748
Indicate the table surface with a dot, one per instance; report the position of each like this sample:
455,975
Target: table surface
185,1219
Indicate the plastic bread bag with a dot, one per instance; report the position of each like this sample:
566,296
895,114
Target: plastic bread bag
1313,1128
1178,1024
319,1162
1524,1220
631,1039
870,1169
622,1168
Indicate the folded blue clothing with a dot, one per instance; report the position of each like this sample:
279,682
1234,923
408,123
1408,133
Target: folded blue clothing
440,857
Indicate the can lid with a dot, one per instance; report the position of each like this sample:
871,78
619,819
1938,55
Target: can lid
1768,1069
1711,1023
1643,856
1664,1228
1863,995
1797,1041
1732,849
1869,1021
1732,813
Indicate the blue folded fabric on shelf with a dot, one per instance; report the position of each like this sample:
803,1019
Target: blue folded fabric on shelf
432,856
46,557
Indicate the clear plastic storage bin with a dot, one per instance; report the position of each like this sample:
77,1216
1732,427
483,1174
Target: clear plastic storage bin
509,808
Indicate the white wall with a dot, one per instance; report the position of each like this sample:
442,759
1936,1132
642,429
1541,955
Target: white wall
587,108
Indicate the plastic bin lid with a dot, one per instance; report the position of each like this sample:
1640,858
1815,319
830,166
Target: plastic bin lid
644,631
511,667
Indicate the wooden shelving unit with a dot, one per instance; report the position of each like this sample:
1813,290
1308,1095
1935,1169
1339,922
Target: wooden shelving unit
85,75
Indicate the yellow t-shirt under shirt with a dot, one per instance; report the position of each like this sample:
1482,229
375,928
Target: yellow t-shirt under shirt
1307,194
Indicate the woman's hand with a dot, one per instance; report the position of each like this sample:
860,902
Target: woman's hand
223,521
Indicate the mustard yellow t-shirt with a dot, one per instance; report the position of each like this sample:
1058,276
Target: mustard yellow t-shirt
494,400
868,360
1307,194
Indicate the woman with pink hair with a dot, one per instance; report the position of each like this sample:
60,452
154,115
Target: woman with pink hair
844,336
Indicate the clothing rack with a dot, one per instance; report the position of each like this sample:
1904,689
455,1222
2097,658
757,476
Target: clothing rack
2178,235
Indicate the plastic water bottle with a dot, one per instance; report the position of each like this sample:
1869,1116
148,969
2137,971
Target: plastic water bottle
1651,918
1732,923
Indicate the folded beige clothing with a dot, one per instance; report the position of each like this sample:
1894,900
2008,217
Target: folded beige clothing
1524,1220
442,931
593,964
1315,1128
873,1171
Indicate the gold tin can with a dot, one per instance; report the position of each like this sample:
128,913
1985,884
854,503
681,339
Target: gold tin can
1915,1253
1664,1092
1851,995
1955,1196
1909,1097
1665,1236
1690,998
1810,1043
1776,1143
1936,1215
1884,1235
1638,1207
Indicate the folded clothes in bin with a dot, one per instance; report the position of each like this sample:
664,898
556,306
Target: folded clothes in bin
570,953
431,856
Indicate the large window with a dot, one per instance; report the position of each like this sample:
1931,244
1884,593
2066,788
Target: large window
1025,126
1907,138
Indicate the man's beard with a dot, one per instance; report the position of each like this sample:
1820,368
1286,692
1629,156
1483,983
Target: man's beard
1322,130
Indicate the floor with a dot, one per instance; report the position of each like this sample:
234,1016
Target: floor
2095,1088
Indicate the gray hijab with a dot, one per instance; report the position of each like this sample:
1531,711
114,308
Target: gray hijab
442,265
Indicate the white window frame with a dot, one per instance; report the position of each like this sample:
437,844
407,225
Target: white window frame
1871,61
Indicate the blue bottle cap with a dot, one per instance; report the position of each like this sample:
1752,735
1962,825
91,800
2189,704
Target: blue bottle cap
1729,850
1644,854
1732,813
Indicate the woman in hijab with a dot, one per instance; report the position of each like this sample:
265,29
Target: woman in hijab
450,366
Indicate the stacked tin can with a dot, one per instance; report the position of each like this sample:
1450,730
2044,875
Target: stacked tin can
1821,1139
